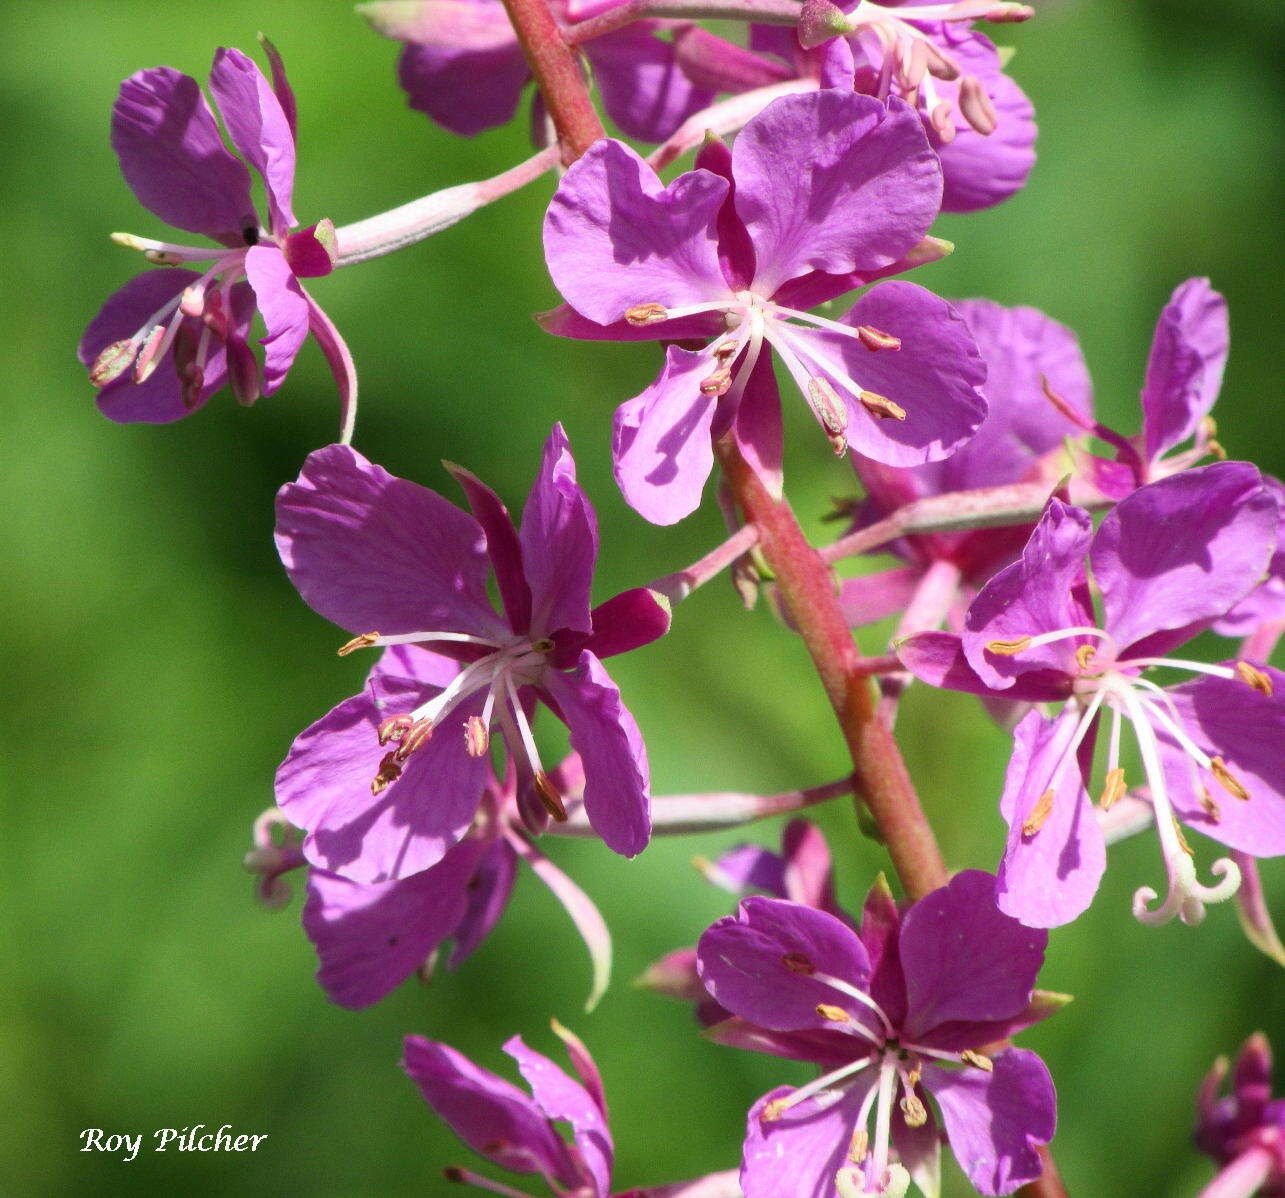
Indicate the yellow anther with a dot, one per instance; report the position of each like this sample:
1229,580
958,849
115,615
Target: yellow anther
549,796
1254,677
978,1061
832,1013
913,1109
358,642
1210,804
1227,780
477,737
773,1110
1182,840
881,407
1039,814
1008,648
644,314
717,383
1085,654
1113,788
859,1149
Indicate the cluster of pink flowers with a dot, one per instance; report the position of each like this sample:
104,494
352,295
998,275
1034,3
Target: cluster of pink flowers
966,423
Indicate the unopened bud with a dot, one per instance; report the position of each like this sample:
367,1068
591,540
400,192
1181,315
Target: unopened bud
549,796
1229,782
976,105
112,362
641,315
477,737
1253,677
874,339
358,642
1039,814
1008,648
819,21
1007,14
881,407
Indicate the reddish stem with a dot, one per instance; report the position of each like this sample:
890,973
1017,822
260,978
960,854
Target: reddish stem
558,74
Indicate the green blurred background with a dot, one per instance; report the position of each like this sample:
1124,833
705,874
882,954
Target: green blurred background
158,662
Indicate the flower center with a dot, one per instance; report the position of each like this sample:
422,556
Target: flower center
513,663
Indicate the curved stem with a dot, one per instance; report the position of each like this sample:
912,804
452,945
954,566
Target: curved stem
761,12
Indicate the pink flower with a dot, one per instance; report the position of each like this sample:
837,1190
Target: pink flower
169,339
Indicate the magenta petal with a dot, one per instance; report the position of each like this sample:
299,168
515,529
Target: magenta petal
983,170
1185,369
312,252
174,159
559,536
1020,347
605,735
936,375
643,88
661,440
1049,878
833,181
871,597
748,867
562,1099
938,659
965,959
284,308
502,546
809,871
158,399
259,128
373,552
629,621
370,939
994,1120
759,963
489,891
799,1154
1043,591
339,359
461,65
757,425
1246,728
1183,550
492,1116
1265,604
324,786
615,236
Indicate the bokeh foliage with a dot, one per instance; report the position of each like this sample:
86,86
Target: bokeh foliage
157,661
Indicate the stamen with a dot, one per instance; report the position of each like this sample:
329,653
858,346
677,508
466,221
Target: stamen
149,356
976,105
1254,677
875,339
859,1148
364,641
394,728
1227,780
477,737
1182,840
978,1060
833,1014
1084,655
1210,804
778,1106
913,1109
881,407
415,737
112,362
860,996
389,771
1198,667
1039,814
549,796
1113,789
718,383
641,315
798,963
830,411
1009,648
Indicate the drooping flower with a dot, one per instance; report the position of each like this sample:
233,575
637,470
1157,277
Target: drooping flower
977,118
1183,378
518,1132
170,338
462,66
1168,561
1021,348
820,194
892,1015
1243,1131
385,790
